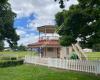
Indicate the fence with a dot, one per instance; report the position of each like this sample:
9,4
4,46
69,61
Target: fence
90,66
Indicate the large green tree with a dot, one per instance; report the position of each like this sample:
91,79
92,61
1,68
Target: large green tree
7,31
81,21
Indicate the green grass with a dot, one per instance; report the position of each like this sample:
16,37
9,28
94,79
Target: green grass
90,55
18,53
93,55
33,72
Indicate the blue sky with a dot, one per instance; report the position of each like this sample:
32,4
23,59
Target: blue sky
32,14
23,24
24,20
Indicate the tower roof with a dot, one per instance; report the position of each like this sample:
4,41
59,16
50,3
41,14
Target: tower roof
46,29
45,43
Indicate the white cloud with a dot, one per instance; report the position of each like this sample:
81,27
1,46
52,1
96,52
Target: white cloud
21,7
28,39
20,32
43,10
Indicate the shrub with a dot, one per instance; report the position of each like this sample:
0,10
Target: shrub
8,57
7,63
4,58
74,56
13,58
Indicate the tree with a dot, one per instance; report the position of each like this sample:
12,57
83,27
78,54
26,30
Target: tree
61,2
22,48
3,1
1,45
96,47
7,31
81,21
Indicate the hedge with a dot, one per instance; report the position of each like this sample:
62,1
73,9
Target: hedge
8,58
8,63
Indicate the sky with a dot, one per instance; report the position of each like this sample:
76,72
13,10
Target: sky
32,14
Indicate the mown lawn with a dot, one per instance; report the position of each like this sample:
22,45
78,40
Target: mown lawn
19,53
33,72
93,55
90,55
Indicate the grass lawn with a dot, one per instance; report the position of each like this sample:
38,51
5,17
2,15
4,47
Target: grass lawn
18,53
33,72
90,55
93,55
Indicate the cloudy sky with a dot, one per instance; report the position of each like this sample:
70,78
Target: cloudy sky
32,14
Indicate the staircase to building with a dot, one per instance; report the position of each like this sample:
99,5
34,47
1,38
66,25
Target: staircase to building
78,50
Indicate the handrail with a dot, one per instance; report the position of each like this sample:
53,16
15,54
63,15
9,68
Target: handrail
49,38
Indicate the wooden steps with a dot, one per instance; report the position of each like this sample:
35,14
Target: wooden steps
78,50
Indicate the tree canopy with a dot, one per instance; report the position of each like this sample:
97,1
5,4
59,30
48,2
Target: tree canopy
61,2
81,21
7,31
22,48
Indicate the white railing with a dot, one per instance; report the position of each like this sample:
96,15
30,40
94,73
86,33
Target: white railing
49,38
78,65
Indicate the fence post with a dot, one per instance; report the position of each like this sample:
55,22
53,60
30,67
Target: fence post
48,63
97,67
25,59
